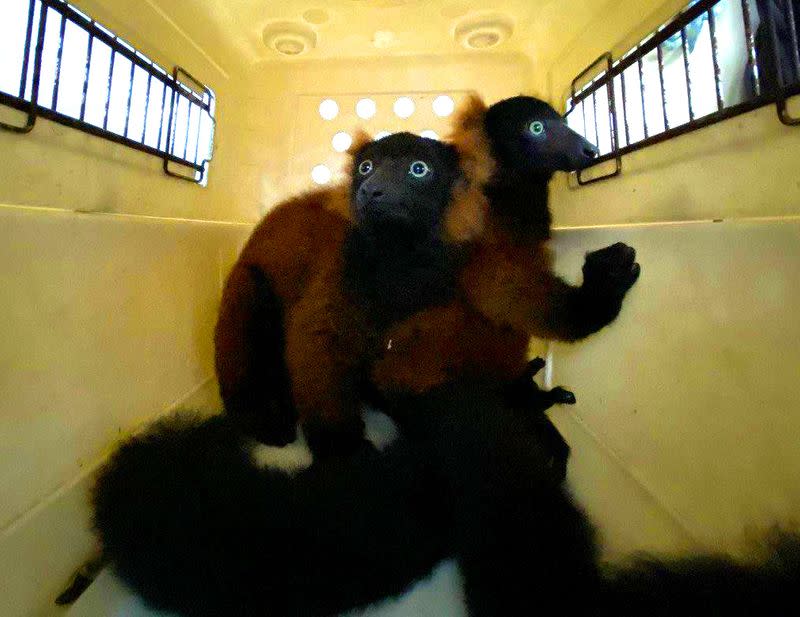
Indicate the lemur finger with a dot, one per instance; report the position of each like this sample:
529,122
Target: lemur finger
562,397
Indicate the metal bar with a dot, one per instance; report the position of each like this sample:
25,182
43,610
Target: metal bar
161,118
583,113
49,114
612,121
686,68
146,107
20,103
596,130
169,123
58,61
128,104
199,129
586,72
25,58
793,36
108,87
660,55
625,108
188,124
712,28
37,61
641,89
781,90
112,41
681,20
86,76
752,66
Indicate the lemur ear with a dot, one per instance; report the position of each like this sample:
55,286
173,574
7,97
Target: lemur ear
360,139
465,217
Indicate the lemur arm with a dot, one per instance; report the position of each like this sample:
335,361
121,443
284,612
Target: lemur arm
514,285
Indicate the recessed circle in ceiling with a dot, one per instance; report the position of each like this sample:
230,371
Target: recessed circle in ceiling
483,31
289,38
429,134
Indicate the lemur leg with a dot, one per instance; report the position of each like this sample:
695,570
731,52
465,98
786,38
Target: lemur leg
249,348
515,286
527,398
327,339
524,394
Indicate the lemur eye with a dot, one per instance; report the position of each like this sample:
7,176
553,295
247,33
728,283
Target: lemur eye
419,169
365,167
536,128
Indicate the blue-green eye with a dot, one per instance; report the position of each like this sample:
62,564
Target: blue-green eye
536,128
365,167
419,169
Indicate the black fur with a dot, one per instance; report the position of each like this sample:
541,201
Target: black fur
193,526
267,414
608,274
518,190
397,270
397,261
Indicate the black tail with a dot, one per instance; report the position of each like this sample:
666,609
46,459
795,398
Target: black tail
522,543
768,585
194,526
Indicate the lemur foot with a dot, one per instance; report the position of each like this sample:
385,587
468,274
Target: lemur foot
523,393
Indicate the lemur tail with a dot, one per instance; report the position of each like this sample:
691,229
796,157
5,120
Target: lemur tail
709,585
193,525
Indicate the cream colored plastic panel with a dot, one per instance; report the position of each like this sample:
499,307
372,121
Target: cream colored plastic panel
695,389
106,320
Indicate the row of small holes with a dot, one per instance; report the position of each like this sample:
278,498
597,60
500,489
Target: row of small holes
403,107
366,108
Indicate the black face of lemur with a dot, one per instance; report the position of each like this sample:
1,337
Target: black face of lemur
529,136
403,180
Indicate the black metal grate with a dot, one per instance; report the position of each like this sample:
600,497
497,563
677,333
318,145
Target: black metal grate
715,60
69,69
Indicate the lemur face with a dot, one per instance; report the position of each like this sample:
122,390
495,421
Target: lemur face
528,135
404,180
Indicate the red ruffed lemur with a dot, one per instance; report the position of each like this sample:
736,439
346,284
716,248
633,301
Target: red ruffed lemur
405,282
324,275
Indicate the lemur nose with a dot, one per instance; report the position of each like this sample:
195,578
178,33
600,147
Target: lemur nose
377,193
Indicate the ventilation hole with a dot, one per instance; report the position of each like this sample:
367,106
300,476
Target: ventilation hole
321,174
366,108
328,109
404,107
341,141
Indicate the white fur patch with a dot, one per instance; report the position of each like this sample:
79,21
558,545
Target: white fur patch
380,430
